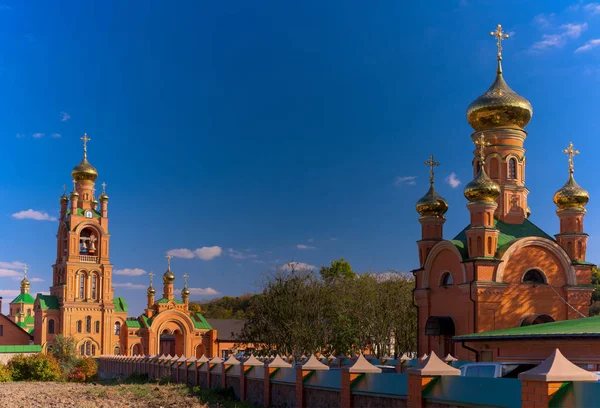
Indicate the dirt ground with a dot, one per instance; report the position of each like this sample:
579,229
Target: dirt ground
37,394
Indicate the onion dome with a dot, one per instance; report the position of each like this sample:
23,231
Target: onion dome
25,283
74,193
84,171
185,292
103,197
432,204
528,212
64,199
168,277
151,291
571,195
482,188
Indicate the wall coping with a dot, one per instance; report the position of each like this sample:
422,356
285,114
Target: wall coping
557,368
433,366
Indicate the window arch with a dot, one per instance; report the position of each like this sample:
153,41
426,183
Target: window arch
88,324
534,276
97,326
51,326
118,328
94,285
79,326
489,245
81,284
446,279
117,351
512,168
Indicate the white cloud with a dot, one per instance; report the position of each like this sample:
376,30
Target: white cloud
544,20
56,135
64,116
12,265
181,253
129,285
298,266
9,293
453,180
235,254
208,253
591,44
36,280
204,253
408,180
302,246
9,273
33,215
592,8
130,272
204,291
558,40
38,135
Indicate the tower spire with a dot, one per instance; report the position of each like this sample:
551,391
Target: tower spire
500,35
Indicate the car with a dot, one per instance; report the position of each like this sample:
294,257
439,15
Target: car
387,368
495,369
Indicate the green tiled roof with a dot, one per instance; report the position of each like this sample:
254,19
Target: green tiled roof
25,298
29,319
583,327
163,300
133,323
147,321
48,301
200,322
81,210
22,324
30,348
507,234
120,304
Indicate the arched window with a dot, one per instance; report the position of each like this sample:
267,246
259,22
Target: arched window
79,326
88,348
534,276
81,285
93,349
117,351
512,168
88,324
446,279
489,245
97,326
118,328
94,277
82,350
51,326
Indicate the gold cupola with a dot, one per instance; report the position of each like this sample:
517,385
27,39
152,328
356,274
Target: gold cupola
185,292
499,106
25,282
84,171
571,195
432,204
482,188
169,277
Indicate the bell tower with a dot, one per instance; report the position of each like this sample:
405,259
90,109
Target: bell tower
82,273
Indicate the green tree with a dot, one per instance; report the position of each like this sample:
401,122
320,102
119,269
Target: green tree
64,352
338,269
595,306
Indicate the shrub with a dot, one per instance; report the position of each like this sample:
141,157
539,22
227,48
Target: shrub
37,367
64,351
76,375
88,367
5,373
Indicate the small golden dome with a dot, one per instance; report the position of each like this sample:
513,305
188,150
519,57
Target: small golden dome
25,283
64,199
482,188
528,212
151,291
168,277
103,197
84,171
499,106
432,204
185,292
571,195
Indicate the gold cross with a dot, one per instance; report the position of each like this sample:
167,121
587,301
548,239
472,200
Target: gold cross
571,152
74,185
64,189
103,187
151,274
25,272
432,164
185,276
481,145
499,34
85,139
169,256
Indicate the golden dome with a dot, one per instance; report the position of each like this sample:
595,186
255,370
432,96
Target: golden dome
64,199
168,277
528,212
25,282
482,188
103,197
499,106
185,292
151,291
571,195
84,171
432,204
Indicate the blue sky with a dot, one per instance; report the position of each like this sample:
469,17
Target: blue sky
275,131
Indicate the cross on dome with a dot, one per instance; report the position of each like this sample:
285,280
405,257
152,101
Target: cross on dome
432,164
185,277
481,145
500,35
24,271
571,152
151,275
169,257
85,139
103,187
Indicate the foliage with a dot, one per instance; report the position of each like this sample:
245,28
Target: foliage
5,373
338,269
195,307
76,375
226,307
298,313
220,397
595,307
37,367
65,352
86,367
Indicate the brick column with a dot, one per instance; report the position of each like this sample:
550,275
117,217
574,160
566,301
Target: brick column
541,383
301,372
420,376
267,386
349,375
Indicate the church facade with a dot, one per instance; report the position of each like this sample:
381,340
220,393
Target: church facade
501,271
81,303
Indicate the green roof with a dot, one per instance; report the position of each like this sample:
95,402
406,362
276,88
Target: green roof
163,300
48,301
80,211
507,234
29,319
583,327
147,321
30,348
25,298
200,322
30,331
120,304
133,323
22,325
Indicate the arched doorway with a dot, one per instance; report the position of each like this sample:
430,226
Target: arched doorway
536,319
136,350
442,328
179,344
200,350
167,343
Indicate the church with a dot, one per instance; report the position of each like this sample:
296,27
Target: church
501,271
81,303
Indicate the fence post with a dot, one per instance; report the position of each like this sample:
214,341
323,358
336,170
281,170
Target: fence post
301,373
227,364
540,384
420,376
349,375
